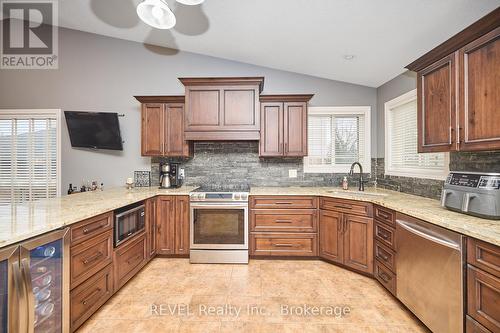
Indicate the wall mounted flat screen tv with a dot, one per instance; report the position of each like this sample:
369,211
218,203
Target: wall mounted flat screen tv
96,130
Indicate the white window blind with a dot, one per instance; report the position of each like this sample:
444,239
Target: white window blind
402,158
337,137
29,155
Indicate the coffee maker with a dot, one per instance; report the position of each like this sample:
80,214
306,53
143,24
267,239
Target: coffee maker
169,175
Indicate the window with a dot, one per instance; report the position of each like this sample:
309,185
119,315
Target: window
401,157
29,155
337,137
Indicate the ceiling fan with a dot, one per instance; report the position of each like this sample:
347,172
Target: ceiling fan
157,14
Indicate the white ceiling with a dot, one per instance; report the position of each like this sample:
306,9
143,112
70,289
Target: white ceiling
303,36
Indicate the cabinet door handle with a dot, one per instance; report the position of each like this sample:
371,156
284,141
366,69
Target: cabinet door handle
89,230
386,278
383,215
91,296
283,221
283,245
383,256
383,236
345,225
93,258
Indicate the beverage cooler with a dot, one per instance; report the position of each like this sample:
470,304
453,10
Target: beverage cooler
34,285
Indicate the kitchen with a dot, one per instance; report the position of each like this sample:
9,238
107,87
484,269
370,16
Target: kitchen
211,190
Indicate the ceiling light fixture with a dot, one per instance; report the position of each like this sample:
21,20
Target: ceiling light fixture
157,14
190,2
349,56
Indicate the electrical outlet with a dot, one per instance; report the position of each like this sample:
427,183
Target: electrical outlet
292,173
181,172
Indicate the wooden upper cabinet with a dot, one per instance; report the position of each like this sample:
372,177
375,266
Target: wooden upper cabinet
174,131
163,126
480,93
295,133
283,125
458,89
222,108
436,106
152,129
271,138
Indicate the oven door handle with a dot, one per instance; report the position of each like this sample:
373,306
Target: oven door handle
228,205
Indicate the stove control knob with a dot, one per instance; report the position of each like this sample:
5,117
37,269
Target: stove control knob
237,196
244,197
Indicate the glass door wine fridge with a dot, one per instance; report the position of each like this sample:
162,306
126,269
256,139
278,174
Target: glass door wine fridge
34,285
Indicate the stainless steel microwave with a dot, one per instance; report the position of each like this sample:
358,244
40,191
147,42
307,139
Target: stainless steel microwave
129,221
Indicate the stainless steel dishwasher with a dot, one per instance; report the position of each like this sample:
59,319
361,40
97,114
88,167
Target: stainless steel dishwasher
429,273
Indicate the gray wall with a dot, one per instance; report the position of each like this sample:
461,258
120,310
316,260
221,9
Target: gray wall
98,73
391,89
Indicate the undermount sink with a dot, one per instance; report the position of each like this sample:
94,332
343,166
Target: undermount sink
358,193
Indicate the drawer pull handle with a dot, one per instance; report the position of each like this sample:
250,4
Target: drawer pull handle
383,235
134,258
91,296
384,215
93,258
89,230
283,203
386,278
383,256
283,221
283,245
343,206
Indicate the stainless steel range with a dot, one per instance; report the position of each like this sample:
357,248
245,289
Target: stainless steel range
219,227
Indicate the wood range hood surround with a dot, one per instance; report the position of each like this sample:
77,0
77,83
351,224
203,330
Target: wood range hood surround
222,108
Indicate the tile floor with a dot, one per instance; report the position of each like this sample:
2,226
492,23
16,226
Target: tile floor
171,295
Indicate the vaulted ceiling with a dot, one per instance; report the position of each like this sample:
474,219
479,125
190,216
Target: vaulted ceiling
304,36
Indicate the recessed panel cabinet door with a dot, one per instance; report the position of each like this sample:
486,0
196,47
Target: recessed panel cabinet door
480,93
152,129
358,243
271,133
165,222
241,109
436,106
182,225
330,232
174,134
204,107
295,129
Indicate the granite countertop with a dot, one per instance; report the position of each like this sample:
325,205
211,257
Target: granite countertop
24,221
429,210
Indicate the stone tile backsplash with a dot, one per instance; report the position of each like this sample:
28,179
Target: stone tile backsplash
238,164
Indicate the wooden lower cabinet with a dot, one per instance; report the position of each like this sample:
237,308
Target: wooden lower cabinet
151,227
347,239
172,221
483,294
331,241
181,228
358,243
472,326
129,259
385,277
90,257
90,295
283,244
